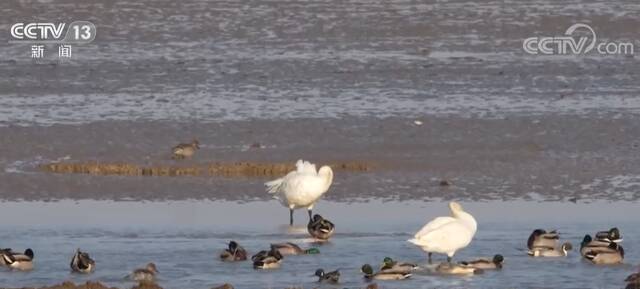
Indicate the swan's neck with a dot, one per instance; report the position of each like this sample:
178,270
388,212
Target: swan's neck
328,178
469,220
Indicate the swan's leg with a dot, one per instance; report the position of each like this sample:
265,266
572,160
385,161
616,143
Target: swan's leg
290,217
429,254
310,213
449,260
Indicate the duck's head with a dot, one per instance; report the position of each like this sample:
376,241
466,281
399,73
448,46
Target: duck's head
538,232
586,240
498,259
387,262
233,245
367,269
312,251
29,253
319,273
567,247
275,253
152,267
614,235
317,218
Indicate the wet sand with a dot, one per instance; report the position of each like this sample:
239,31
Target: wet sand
549,158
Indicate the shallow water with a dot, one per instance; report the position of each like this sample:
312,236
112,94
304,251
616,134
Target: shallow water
183,238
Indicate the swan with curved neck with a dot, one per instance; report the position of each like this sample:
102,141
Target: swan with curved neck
446,235
301,188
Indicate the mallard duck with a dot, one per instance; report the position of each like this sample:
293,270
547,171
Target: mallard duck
562,251
495,263
146,274
185,150
17,261
301,188
613,235
235,252
590,245
390,265
368,274
447,235
329,277
455,269
542,238
267,259
614,256
293,249
82,262
320,228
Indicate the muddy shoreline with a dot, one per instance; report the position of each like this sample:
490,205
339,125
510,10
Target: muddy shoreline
547,158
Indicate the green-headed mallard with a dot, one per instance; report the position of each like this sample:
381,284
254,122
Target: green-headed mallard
17,261
485,264
289,248
614,256
234,252
146,274
447,268
562,251
185,150
369,274
329,277
390,265
82,262
267,259
320,228
542,238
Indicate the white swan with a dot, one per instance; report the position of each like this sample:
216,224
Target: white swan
446,235
301,188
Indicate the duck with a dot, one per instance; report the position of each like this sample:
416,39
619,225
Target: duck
328,277
82,262
485,264
17,261
589,245
369,275
447,235
146,274
301,188
562,251
289,248
185,150
542,238
456,269
233,253
390,265
267,259
320,228
612,235
614,256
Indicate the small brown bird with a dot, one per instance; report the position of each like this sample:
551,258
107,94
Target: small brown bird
185,150
147,274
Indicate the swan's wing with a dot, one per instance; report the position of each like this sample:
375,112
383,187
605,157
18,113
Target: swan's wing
452,235
306,167
434,224
303,186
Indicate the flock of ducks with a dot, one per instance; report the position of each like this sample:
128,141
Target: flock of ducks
304,186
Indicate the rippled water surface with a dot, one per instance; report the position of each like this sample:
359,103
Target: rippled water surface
183,239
